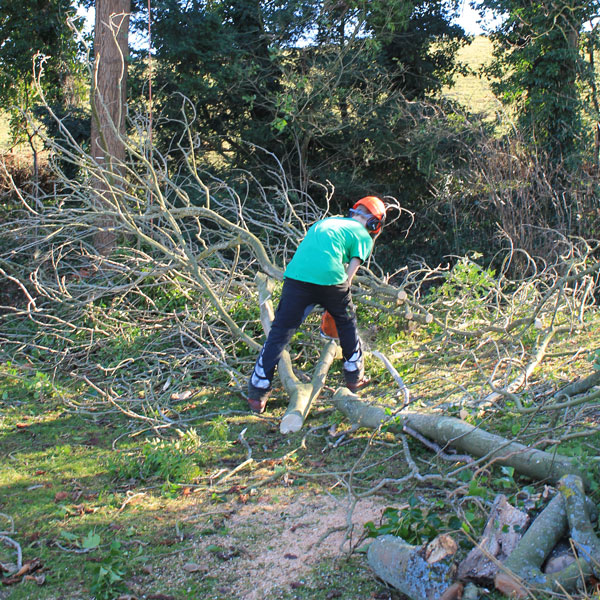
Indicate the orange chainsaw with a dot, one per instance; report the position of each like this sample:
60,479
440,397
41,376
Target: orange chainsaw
328,329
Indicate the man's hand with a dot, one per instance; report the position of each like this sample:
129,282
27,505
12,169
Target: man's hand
352,268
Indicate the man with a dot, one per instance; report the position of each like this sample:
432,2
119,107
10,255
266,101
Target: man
321,272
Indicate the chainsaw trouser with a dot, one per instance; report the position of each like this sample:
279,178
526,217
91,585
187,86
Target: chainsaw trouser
296,296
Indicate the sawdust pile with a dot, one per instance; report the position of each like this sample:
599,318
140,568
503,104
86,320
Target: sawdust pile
280,539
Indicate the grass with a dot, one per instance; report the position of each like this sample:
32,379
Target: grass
473,90
110,506
85,505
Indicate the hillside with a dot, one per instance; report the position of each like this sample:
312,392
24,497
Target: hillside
473,90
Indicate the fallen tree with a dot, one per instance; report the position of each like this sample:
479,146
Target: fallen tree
457,434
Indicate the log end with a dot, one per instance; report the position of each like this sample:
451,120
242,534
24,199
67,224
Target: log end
291,423
510,585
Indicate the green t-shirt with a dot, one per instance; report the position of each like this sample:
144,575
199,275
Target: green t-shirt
327,247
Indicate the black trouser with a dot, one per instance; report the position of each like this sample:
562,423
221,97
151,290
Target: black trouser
296,296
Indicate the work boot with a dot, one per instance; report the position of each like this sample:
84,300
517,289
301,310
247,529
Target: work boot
355,386
356,380
257,398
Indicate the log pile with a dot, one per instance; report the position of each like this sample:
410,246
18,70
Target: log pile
514,562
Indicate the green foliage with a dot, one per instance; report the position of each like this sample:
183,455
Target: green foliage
334,108
109,573
466,277
415,525
465,287
30,30
18,383
539,69
177,460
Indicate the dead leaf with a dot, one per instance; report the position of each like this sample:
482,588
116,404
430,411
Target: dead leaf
22,425
40,472
290,556
28,567
193,567
39,579
60,496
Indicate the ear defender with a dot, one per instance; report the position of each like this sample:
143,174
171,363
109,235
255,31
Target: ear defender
374,223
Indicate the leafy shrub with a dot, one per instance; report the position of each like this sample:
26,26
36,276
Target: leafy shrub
168,460
108,577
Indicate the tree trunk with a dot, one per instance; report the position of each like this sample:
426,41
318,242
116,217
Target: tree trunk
109,89
449,431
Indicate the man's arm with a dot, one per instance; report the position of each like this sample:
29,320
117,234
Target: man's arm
353,265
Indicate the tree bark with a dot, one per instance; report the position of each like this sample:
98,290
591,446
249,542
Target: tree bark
109,89
449,431
409,569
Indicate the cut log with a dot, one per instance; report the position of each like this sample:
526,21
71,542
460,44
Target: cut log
453,432
521,573
502,532
560,557
301,403
419,572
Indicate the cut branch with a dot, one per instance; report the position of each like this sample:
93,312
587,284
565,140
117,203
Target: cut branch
567,511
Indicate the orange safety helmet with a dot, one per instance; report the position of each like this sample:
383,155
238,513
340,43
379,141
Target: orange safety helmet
377,208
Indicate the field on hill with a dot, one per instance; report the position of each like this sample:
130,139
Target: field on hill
473,90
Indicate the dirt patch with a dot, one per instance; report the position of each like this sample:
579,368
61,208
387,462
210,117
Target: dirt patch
278,539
